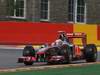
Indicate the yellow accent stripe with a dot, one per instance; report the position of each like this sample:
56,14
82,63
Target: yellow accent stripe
90,30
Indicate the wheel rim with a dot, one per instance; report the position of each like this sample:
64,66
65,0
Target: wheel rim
95,55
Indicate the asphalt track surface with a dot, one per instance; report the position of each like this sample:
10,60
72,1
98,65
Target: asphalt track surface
8,59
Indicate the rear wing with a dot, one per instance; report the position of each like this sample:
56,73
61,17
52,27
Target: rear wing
76,35
73,34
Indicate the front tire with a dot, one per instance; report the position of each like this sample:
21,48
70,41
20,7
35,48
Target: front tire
28,51
90,53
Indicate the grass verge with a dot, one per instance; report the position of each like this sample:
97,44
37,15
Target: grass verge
80,70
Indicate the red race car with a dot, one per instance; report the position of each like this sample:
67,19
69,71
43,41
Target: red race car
61,51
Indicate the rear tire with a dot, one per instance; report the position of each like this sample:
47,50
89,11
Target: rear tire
90,53
28,51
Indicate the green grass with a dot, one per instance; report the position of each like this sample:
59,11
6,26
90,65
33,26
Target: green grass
83,70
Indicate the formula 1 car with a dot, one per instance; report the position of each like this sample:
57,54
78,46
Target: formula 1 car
61,51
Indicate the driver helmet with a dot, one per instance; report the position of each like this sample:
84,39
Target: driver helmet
58,42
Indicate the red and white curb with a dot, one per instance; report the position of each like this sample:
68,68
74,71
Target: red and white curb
46,67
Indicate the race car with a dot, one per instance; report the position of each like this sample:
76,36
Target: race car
62,50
